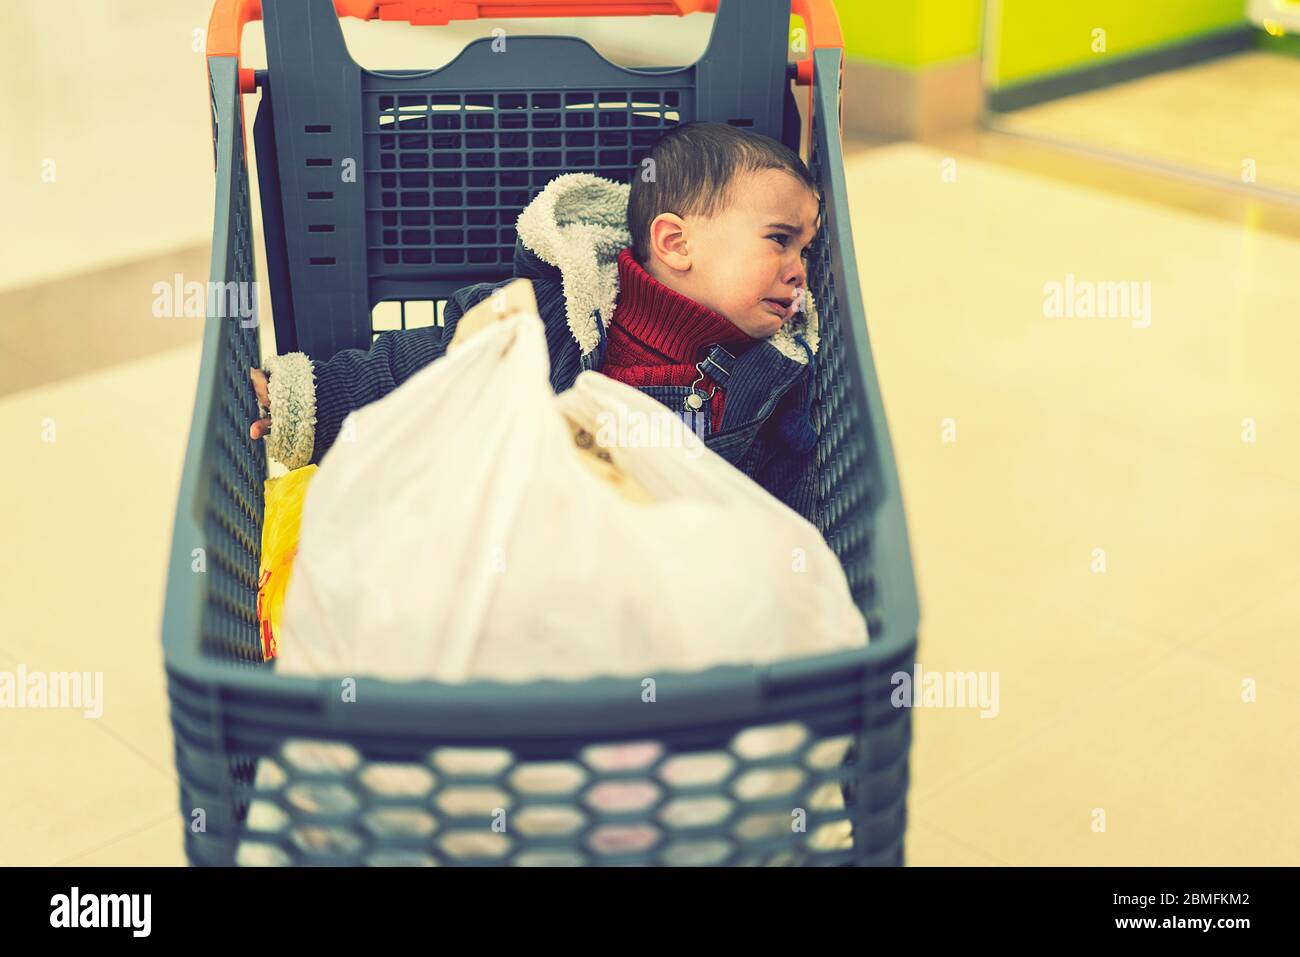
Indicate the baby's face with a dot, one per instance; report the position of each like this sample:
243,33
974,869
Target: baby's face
747,263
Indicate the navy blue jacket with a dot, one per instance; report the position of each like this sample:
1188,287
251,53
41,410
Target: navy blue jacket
764,430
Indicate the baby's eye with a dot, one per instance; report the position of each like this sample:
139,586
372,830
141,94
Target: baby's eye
783,241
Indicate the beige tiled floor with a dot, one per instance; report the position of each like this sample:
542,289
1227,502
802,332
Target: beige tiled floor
1119,691
1245,119
86,536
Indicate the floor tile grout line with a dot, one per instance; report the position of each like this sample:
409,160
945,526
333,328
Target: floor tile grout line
116,840
1170,642
168,772
924,823
1095,700
1007,153
922,796
1208,627
1156,168
1026,392
1197,651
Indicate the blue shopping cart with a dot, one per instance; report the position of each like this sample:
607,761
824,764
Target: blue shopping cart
292,770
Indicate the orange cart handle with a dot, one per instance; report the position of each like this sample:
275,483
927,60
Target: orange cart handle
226,26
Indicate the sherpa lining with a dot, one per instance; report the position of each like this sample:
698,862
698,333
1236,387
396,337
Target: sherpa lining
578,224
292,388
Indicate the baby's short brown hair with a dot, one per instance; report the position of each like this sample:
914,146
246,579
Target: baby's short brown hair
694,166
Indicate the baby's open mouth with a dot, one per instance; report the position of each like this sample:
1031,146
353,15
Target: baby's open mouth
780,305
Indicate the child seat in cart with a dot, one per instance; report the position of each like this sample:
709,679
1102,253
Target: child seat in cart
403,186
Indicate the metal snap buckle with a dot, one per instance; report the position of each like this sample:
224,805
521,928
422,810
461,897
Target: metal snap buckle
693,401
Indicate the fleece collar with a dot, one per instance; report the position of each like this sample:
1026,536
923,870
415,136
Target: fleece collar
578,224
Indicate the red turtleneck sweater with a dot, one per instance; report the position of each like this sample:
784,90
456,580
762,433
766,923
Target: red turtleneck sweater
657,335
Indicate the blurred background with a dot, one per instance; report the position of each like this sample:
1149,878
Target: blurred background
1102,509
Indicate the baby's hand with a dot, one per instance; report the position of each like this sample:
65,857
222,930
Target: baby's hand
261,426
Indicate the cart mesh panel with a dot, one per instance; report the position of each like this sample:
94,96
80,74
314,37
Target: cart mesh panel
449,173
845,496
233,514
769,796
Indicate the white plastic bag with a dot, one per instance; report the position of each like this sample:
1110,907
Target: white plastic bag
458,535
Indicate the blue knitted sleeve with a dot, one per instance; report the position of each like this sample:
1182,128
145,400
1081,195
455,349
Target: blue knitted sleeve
353,378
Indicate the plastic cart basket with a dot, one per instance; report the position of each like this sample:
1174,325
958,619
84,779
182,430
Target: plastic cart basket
275,769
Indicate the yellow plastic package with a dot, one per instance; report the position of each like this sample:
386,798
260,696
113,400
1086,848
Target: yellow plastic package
282,518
